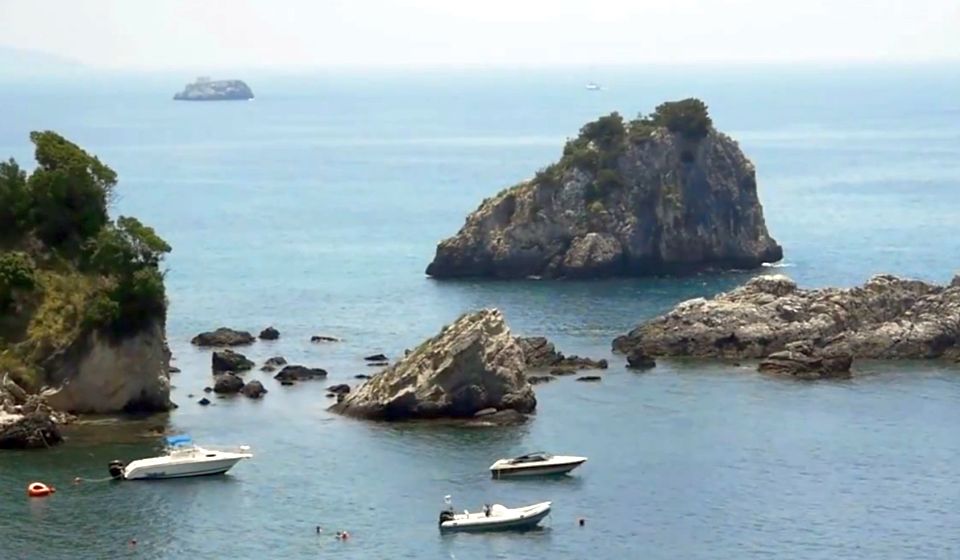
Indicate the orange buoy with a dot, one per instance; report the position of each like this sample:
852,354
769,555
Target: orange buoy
39,490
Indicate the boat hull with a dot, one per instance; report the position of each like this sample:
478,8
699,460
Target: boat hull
534,470
161,472
476,524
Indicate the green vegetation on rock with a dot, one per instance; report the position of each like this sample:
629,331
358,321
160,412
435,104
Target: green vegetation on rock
66,269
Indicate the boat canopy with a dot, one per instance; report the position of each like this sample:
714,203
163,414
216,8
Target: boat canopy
179,440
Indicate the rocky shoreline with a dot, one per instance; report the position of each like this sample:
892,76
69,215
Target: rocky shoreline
813,331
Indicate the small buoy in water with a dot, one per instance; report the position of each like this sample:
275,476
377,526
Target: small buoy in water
39,490
582,521
77,480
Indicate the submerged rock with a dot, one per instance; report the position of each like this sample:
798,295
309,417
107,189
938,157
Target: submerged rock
223,337
269,333
323,338
228,360
638,359
253,390
538,379
376,358
540,353
653,196
300,373
888,317
473,364
378,364
227,383
590,378
204,401
273,363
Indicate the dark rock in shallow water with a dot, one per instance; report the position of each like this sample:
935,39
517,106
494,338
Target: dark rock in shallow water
576,362
323,338
254,390
208,389
376,358
362,376
590,378
223,337
637,359
886,318
378,364
204,401
287,382
205,89
300,373
473,364
273,363
227,383
269,333
342,388
508,417
538,379
566,370
803,361
173,369
666,202
228,360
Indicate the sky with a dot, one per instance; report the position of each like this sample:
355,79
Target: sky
295,34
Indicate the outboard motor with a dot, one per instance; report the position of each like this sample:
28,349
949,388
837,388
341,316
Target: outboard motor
446,515
116,469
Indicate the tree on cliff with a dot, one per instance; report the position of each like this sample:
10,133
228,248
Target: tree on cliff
65,267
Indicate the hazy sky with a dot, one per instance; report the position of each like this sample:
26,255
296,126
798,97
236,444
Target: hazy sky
209,34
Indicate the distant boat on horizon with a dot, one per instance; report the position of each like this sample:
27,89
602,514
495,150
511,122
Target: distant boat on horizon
593,86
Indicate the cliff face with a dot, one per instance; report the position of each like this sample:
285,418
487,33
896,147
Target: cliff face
886,318
642,200
219,90
99,374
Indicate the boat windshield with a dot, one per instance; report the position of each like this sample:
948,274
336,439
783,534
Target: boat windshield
531,458
181,440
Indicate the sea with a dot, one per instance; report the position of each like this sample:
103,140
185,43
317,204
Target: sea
315,209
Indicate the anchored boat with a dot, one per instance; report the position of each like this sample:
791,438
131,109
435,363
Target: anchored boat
182,459
494,518
536,464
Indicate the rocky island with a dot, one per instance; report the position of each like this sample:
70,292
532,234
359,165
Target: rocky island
82,300
811,332
474,366
662,194
205,89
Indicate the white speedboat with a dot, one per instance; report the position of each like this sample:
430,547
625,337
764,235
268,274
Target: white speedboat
182,459
536,464
593,86
494,518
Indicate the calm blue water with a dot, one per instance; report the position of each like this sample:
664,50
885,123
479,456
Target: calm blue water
316,208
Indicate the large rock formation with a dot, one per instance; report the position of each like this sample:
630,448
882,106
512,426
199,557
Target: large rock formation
223,336
102,374
888,317
228,360
663,194
205,89
473,364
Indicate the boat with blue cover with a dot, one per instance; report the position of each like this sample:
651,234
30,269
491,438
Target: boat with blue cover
183,458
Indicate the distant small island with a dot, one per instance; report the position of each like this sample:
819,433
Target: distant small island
205,89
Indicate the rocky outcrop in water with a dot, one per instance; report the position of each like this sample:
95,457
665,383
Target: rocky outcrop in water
205,89
886,318
661,194
269,333
300,373
273,363
228,360
473,364
227,384
540,353
223,337
254,389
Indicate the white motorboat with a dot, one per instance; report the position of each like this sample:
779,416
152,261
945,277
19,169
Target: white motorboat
494,518
182,459
593,86
536,464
